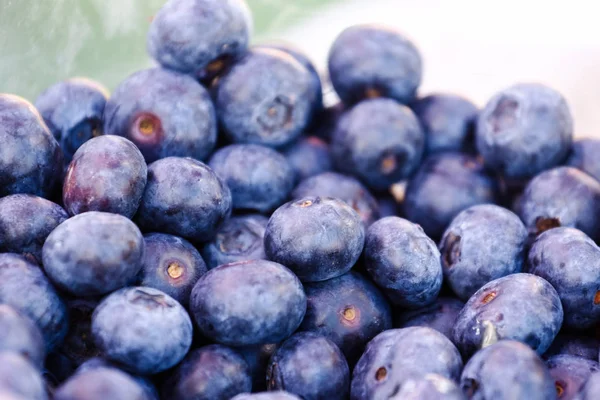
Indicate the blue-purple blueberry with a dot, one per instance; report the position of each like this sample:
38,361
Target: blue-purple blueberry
308,156
439,315
574,344
583,156
276,395
19,334
99,384
20,376
570,373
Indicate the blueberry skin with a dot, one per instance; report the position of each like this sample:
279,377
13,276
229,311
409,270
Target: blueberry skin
108,174
248,303
583,156
399,354
368,61
448,121
444,185
348,310
507,370
20,335
143,329
19,376
265,98
93,253
166,114
439,315
379,141
27,290
211,372
239,238
279,395
520,307
576,345
260,178
524,130
570,373
343,187
25,223
73,110
308,156
99,384
310,366
200,37
590,389
430,387
483,243
257,358
562,196
183,197
31,160
317,238
171,264
7,394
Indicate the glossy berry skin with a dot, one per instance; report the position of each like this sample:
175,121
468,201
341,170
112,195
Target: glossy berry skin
143,329
563,196
576,345
239,238
73,110
439,315
277,395
483,243
349,310
200,37
591,388
25,223
248,303
260,178
101,383
166,114
265,98
368,61
444,185
26,289
21,377
19,334
308,156
429,387
390,151
507,370
108,174
184,197
524,130
399,354
520,307
583,156
93,253
171,264
31,160
318,238
570,373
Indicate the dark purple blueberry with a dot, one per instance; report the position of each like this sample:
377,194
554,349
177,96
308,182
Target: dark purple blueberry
257,358
308,156
19,334
278,395
570,373
439,315
19,376
576,345
584,156
101,384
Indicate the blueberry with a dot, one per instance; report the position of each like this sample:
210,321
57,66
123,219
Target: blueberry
448,121
429,387
6,394
25,223
444,185
396,355
277,395
439,315
257,358
379,141
483,243
100,384
308,156
212,372
79,345
27,290
164,113
507,370
570,373
73,111
317,238
108,173
562,196
310,366
520,307
343,187
143,329
171,264
266,98
248,303
20,335
583,156
349,310
184,197
239,238
260,179
576,345
524,130
590,390
200,37
31,160
19,376
367,61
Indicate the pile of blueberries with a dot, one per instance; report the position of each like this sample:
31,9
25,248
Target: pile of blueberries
213,230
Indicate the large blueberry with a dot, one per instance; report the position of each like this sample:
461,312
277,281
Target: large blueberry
570,373
31,160
483,243
248,303
591,388
164,113
184,197
143,329
439,315
25,223
576,345
73,111
308,156
584,156
19,334
524,129
19,376
100,384
260,178
367,61
317,238
277,395
429,387
520,307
